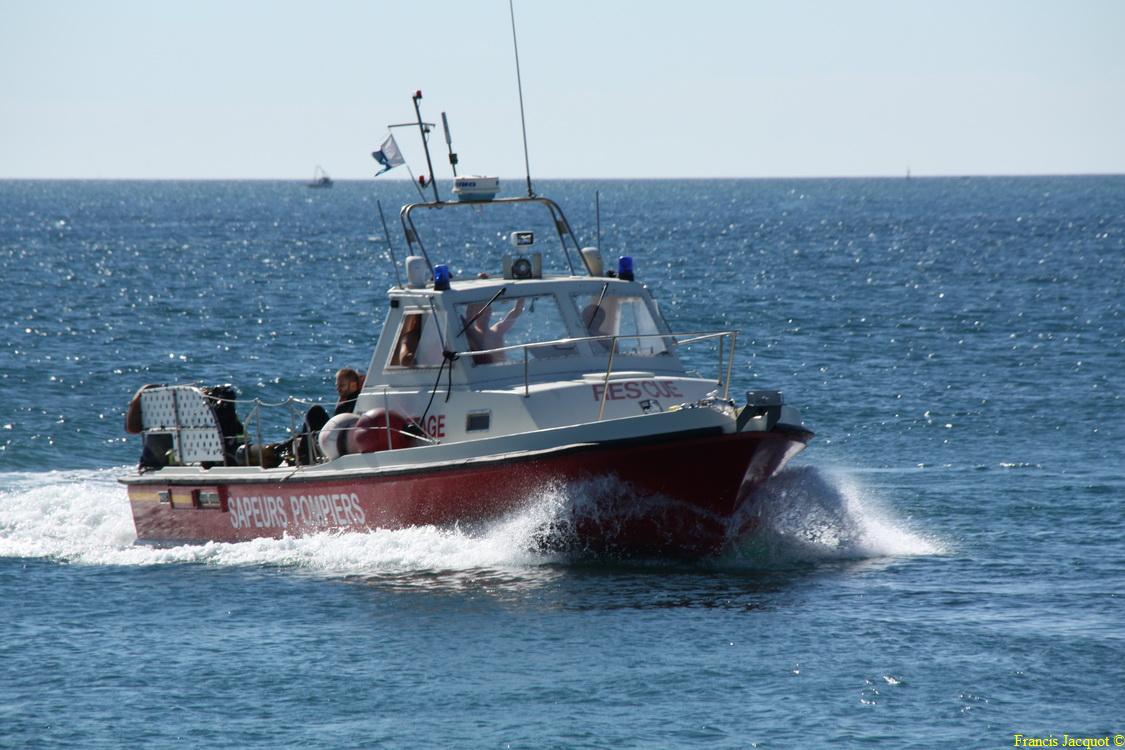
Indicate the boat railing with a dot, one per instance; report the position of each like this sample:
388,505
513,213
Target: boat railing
568,241
252,441
725,354
252,437
290,404
296,408
297,423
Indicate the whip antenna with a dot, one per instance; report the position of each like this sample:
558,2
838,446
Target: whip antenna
598,215
424,129
449,143
387,238
519,85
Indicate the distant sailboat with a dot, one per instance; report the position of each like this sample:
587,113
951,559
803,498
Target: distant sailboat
320,178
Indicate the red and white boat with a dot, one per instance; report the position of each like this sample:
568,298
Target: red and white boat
589,387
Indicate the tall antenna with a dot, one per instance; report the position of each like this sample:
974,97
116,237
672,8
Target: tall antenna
519,85
598,215
449,143
425,131
387,238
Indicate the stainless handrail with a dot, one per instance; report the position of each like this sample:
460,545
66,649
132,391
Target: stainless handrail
561,225
613,339
696,336
605,380
255,415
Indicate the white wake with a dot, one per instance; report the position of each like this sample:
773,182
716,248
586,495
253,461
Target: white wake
83,517
807,515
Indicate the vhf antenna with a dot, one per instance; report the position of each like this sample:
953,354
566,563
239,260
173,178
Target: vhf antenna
598,215
449,144
425,143
519,85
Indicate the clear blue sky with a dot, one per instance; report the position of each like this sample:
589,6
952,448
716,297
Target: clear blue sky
613,88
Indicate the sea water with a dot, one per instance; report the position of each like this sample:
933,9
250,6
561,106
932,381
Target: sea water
944,566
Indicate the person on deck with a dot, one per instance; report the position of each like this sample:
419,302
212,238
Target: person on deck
349,383
154,447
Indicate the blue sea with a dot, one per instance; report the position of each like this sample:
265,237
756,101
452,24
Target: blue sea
943,567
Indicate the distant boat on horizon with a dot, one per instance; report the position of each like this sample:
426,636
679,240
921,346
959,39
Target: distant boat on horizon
320,178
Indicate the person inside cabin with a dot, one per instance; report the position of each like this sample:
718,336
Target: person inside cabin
483,335
406,354
349,383
595,319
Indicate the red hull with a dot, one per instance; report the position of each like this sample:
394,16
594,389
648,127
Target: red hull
673,496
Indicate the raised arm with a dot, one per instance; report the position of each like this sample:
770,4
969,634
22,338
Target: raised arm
509,320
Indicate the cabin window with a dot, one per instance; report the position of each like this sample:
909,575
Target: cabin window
628,318
417,343
514,322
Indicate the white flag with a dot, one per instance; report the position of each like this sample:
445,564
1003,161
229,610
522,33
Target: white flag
388,155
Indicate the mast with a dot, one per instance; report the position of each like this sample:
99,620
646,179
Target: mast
425,144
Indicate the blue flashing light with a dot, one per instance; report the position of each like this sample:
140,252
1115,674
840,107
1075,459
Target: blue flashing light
625,268
441,278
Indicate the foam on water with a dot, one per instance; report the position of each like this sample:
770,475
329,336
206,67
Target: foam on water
806,514
84,517
63,514
803,515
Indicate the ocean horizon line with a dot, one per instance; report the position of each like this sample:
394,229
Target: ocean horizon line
521,179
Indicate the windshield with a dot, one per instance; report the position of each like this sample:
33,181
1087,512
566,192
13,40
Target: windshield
626,317
511,322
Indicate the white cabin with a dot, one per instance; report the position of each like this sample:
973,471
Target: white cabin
546,370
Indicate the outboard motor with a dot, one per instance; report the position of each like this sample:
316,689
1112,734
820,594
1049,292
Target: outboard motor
761,404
